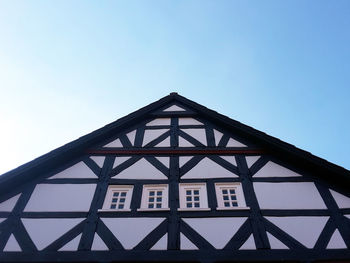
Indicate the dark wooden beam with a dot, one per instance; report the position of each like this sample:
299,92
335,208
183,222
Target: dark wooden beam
175,152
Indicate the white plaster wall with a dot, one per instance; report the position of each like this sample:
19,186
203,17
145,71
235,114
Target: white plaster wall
251,160
131,136
303,195
198,134
336,241
184,159
341,200
186,244
44,231
159,121
216,230
119,160
272,169
79,170
131,231
189,121
61,197
305,229
162,243
98,243
142,169
115,143
99,160
207,168
12,245
249,244
164,143
184,143
9,204
217,135
151,135
234,143
71,245
174,108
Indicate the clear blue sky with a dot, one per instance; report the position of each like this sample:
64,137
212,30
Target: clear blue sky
70,67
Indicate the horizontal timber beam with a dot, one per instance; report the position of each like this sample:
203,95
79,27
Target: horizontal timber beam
175,152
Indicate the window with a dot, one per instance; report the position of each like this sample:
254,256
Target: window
229,196
193,197
118,198
154,197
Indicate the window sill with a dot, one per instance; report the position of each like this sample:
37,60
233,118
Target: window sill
114,210
152,209
193,209
233,208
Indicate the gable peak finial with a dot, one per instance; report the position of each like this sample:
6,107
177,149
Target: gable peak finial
173,93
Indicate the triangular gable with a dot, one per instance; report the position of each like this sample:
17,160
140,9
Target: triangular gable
34,168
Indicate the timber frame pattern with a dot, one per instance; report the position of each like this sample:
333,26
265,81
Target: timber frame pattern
24,179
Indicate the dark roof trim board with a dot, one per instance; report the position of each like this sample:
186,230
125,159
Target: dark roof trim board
324,169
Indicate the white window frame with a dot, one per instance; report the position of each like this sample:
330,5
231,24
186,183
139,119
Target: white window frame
147,188
109,197
203,196
219,187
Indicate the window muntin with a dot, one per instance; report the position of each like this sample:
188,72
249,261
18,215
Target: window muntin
193,196
229,196
118,198
154,197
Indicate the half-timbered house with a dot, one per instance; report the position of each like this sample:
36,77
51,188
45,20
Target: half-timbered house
175,181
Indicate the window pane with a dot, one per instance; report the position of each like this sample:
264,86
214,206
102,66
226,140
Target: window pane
122,200
225,197
150,205
123,194
114,200
196,198
116,194
151,193
159,205
234,204
196,204
196,192
159,199
227,204
159,193
224,192
188,198
233,197
188,192
121,206
113,206
151,199
189,204
232,191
